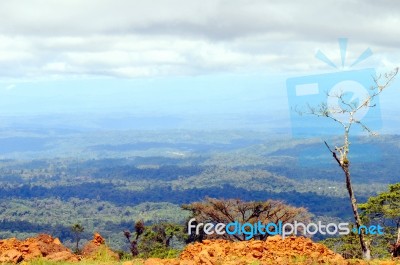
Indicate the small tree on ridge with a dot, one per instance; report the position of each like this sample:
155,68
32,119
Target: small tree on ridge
349,110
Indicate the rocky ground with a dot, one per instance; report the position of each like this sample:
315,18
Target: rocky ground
49,248
272,251
275,250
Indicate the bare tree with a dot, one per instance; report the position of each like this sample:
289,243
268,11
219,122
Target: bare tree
346,114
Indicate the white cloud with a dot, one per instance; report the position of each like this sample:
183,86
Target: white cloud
42,38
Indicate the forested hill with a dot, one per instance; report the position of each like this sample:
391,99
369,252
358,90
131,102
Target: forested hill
107,180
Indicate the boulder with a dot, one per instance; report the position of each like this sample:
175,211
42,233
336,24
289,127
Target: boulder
96,248
43,246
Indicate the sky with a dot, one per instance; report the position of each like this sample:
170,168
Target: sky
183,56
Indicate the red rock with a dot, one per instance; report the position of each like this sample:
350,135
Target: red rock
11,256
32,248
92,248
62,256
98,239
262,252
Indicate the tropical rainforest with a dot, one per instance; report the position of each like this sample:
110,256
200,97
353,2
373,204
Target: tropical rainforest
106,181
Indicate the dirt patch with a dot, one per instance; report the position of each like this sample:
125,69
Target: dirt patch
43,246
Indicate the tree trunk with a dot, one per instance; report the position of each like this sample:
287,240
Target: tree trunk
77,245
364,247
345,164
398,235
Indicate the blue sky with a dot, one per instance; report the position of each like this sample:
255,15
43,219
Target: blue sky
182,57
209,94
